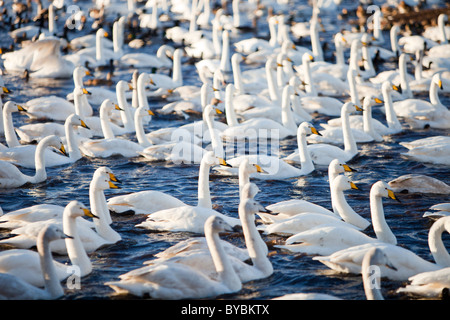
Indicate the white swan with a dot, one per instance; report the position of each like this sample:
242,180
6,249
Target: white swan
189,218
146,60
178,281
429,284
223,63
438,210
14,288
26,265
419,183
23,155
325,240
371,279
407,263
49,108
420,113
434,149
163,81
12,177
323,154
109,145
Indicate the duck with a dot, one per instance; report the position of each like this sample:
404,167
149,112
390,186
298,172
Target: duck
407,262
325,240
20,155
14,288
434,149
322,154
109,145
158,280
12,177
25,264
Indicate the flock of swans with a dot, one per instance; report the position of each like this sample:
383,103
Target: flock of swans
226,84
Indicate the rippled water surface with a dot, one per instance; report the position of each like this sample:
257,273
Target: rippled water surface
292,272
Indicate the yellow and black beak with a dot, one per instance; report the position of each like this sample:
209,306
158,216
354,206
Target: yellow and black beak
63,150
222,162
259,169
392,195
112,177
150,112
21,108
377,100
353,186
130,87
347,168
112,185
314,131
358,108
89,214
87,73
84,125
397,88
218,111
116,107
106,34
5,90
152,82
85,91
440,85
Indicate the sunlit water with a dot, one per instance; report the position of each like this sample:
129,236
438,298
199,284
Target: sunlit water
292,272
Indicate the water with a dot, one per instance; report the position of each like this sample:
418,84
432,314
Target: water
292,272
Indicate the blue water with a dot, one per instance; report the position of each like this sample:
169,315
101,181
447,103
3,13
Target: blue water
292,272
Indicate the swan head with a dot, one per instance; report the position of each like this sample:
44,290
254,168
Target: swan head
370,100
437,80
366,39
77,209
376,257
211,159
52,232
251,167
123,86
249,191
108,105
251,206
102,33
81,71
340,167
382,189
76,120
307,128
79,91
342,182
216,225
307,58
144,111
54,141
104,179
11,106
350,107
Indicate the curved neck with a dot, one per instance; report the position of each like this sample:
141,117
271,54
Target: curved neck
391,116
332,174
75,249
237,75
142,98
298,108
344,210
403,80
287,118
368,123
229,109
99,208
177,75
10,134
349,141
51,280
125,115
381,228
272,84
443,35
105,124
418,66
340,59
437,247
99,47
217,44
306,162
204,195
257,249
434,96
273,34
39,159
222,264
353,90
225,64
140,132
315,42
216,143
72,141
367,60
117,39
369,275
394,41
310,88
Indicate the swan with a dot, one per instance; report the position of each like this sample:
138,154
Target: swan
23,155
42,59
420,113
14,288
12,177
407,263
438,210
434,149
251,128
371,279
51,108
162,81
334,134
430,284
25,264
261,267
109,145
223,64
274,167
145,60
177,281
325,240
189,218
419,183
440,32
288,208
8,125
322,154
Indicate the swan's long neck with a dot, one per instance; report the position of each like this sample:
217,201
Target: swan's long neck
381,228
39,159
315,42
371,289
105,124
403,80
418,67
216,143
51,20
221,261
142,98
287,118
368,64
10,134
377,33
349,141
229,109
257,249
306,162
75,249
217,44
344,210
72,142
273,34
340,59
125,115
310,88
51,280
298,108
437,247
441,25
434,95
204,195
394,41
177,75
272,84
225,63
140,132
352,84
99,47
391,116
368,123
117,45
99,208
237,75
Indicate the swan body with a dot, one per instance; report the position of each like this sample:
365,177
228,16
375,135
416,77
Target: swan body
438,210
178,281
25,264
14,288
417,183
428,284
429,150
12,177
